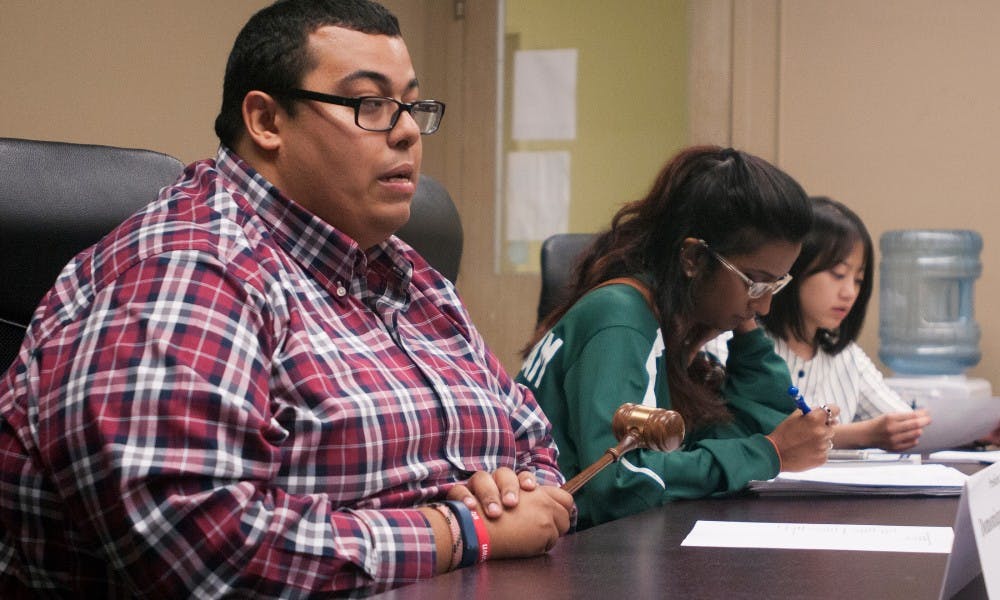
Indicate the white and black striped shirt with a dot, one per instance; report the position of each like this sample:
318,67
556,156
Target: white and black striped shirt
849,380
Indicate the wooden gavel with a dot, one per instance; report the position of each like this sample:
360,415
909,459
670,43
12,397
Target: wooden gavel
635,426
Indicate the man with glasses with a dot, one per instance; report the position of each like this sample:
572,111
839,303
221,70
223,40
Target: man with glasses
252,387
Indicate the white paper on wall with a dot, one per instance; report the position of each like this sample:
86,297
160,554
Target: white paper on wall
544,103
537,194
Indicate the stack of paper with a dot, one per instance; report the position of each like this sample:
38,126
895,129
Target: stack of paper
875,479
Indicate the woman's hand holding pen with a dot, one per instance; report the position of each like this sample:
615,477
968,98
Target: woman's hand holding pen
803,440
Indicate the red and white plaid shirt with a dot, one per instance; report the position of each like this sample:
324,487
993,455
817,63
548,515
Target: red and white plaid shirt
227,395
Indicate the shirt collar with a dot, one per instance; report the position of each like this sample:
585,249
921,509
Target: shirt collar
323,250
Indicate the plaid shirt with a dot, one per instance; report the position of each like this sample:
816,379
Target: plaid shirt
227,396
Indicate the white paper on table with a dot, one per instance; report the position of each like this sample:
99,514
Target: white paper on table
876,478
537,194
990,456
817,536
955,420
909,475
544,95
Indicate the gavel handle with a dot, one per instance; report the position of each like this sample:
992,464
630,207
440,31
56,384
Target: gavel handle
610,455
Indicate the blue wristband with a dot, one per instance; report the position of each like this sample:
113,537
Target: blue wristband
470,540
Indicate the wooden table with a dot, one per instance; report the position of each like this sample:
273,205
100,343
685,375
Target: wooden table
641,557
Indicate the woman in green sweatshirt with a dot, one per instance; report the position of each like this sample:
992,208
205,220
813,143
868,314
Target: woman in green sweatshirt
702,253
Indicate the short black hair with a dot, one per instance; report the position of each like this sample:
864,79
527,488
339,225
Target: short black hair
836,230
271,51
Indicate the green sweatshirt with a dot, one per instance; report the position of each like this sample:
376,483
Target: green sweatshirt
608,350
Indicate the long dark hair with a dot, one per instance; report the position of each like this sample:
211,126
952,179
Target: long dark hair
734,201
271,52
836,230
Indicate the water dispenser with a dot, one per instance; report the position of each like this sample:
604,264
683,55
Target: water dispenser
927,328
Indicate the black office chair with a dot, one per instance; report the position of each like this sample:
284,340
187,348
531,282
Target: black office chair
56,199
11,336
434,228
559,254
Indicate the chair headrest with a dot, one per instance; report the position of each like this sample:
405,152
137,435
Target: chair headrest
434,228
56,199
558,258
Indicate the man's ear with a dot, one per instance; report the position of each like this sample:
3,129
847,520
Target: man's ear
691,255
261,119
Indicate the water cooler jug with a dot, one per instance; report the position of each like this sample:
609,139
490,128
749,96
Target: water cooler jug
927,328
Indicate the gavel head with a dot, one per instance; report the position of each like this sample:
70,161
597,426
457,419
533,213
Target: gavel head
653,428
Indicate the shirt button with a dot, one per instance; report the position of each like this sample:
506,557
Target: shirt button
802,373
341,290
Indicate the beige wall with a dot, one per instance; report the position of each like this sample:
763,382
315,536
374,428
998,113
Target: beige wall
888,106
117,72
133,74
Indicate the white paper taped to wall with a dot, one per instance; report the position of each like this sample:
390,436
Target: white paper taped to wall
544,102
537,195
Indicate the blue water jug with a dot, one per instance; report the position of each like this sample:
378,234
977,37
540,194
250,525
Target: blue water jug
926,320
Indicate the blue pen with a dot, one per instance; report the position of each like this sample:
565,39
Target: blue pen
799,400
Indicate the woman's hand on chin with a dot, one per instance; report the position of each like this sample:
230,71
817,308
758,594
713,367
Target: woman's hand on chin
748,325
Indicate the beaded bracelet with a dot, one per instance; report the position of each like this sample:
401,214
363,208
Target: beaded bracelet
470,540
456,534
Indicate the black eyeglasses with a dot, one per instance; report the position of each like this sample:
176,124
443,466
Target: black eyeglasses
376,113
755,289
